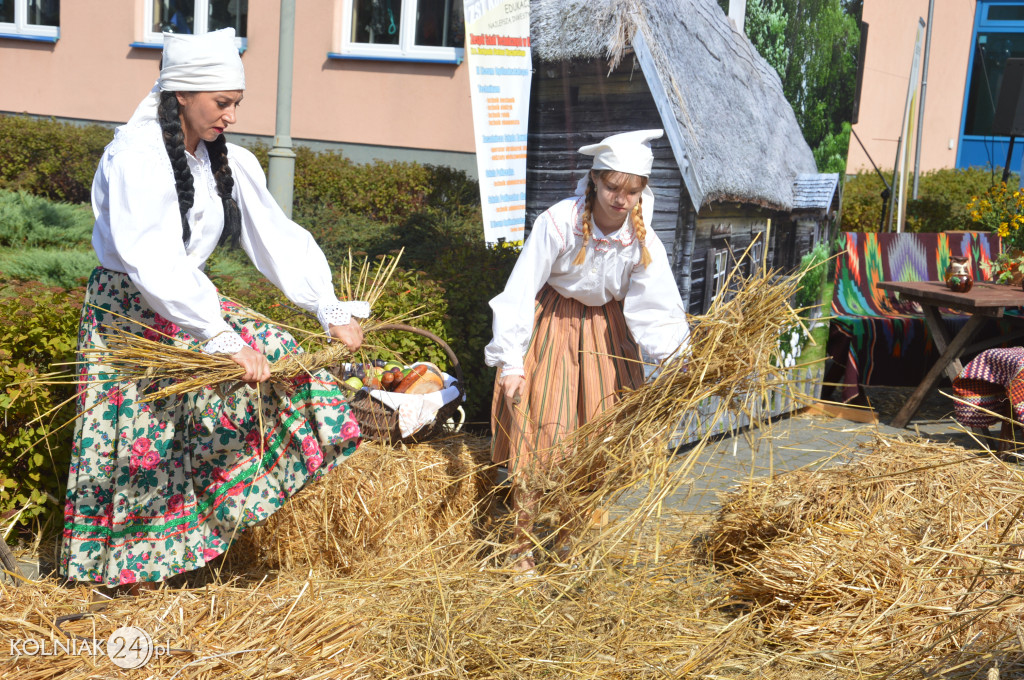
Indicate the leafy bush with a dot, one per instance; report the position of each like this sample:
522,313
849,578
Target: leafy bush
39,328
58,160
943,197
812,273
50,159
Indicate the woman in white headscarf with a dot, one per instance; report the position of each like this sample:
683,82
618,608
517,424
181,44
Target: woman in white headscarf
591,287
159,488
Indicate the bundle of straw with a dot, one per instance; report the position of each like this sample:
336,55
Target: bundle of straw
909,555
383,504
180,369
733,355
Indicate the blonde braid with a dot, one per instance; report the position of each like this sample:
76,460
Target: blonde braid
641,232
588,208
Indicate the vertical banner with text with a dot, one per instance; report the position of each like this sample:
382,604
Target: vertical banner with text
500,65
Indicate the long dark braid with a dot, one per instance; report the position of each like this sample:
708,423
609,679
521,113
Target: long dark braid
174,142
218,150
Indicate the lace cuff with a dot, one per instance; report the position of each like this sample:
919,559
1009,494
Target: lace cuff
227,342
340,313
512,370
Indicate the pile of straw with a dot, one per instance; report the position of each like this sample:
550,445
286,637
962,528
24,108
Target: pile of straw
394,505
910,555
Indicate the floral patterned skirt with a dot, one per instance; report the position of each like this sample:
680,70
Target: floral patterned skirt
161,487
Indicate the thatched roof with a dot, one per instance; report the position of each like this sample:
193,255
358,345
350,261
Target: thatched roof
732,131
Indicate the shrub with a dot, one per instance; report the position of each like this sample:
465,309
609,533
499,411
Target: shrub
39,329
58,160
943,196
50,159
27,221
61,268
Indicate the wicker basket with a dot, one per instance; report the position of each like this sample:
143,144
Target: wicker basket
380,422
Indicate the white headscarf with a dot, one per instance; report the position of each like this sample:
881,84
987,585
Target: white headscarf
628,152
207,62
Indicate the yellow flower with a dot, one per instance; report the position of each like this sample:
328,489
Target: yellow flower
1004,231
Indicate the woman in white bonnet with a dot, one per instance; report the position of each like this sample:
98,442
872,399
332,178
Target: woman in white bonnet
591,287
159,488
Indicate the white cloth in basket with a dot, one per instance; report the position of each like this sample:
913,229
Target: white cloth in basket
416,411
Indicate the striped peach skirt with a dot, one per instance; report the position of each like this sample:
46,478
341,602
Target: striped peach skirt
578,359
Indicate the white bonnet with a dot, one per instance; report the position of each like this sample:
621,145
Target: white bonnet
628,152
207,62
625,152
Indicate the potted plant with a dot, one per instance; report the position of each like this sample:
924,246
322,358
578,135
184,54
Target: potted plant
1001,210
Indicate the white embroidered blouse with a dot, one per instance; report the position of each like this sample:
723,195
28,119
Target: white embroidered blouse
652,306
138,232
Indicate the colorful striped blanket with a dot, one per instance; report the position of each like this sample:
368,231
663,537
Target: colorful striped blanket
876,339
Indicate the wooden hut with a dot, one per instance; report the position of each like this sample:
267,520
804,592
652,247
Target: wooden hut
733,160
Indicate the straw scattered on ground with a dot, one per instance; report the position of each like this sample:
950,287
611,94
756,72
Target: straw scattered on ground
906,558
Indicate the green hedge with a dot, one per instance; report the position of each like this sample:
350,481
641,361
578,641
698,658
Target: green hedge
39,329
941,205
57,161
50,159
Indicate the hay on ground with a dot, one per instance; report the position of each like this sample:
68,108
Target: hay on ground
383,504
908,556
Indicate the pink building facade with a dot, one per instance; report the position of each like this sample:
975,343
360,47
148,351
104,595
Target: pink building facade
971,41
376,78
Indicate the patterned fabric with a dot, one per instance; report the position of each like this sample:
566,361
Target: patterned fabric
875,338
158,488
578,358
986,382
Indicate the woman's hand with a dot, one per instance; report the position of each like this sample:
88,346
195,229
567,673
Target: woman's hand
513,387
351,334
257,368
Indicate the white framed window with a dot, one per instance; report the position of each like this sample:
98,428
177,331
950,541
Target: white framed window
30,19
194,16
402,30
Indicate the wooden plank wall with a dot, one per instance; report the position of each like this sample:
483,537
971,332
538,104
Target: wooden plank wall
577,103
744,221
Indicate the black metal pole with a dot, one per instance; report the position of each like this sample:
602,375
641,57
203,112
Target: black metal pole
1006,168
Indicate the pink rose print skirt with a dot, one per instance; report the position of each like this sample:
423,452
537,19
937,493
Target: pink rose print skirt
161,487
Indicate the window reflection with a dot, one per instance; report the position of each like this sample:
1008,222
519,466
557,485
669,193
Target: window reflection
377,22
439,23
7,11
229,14
174,16
43,12
991,50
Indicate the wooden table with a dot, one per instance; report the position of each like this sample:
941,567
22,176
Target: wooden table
983,301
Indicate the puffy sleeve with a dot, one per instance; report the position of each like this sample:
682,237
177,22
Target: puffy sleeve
145,230
513,308
653,308
283,251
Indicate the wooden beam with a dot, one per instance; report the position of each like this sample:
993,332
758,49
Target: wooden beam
952,352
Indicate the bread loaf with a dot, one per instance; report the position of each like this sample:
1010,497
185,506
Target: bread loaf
431,381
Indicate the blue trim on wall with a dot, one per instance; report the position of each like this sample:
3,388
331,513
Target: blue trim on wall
158,46
415,60
32,38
